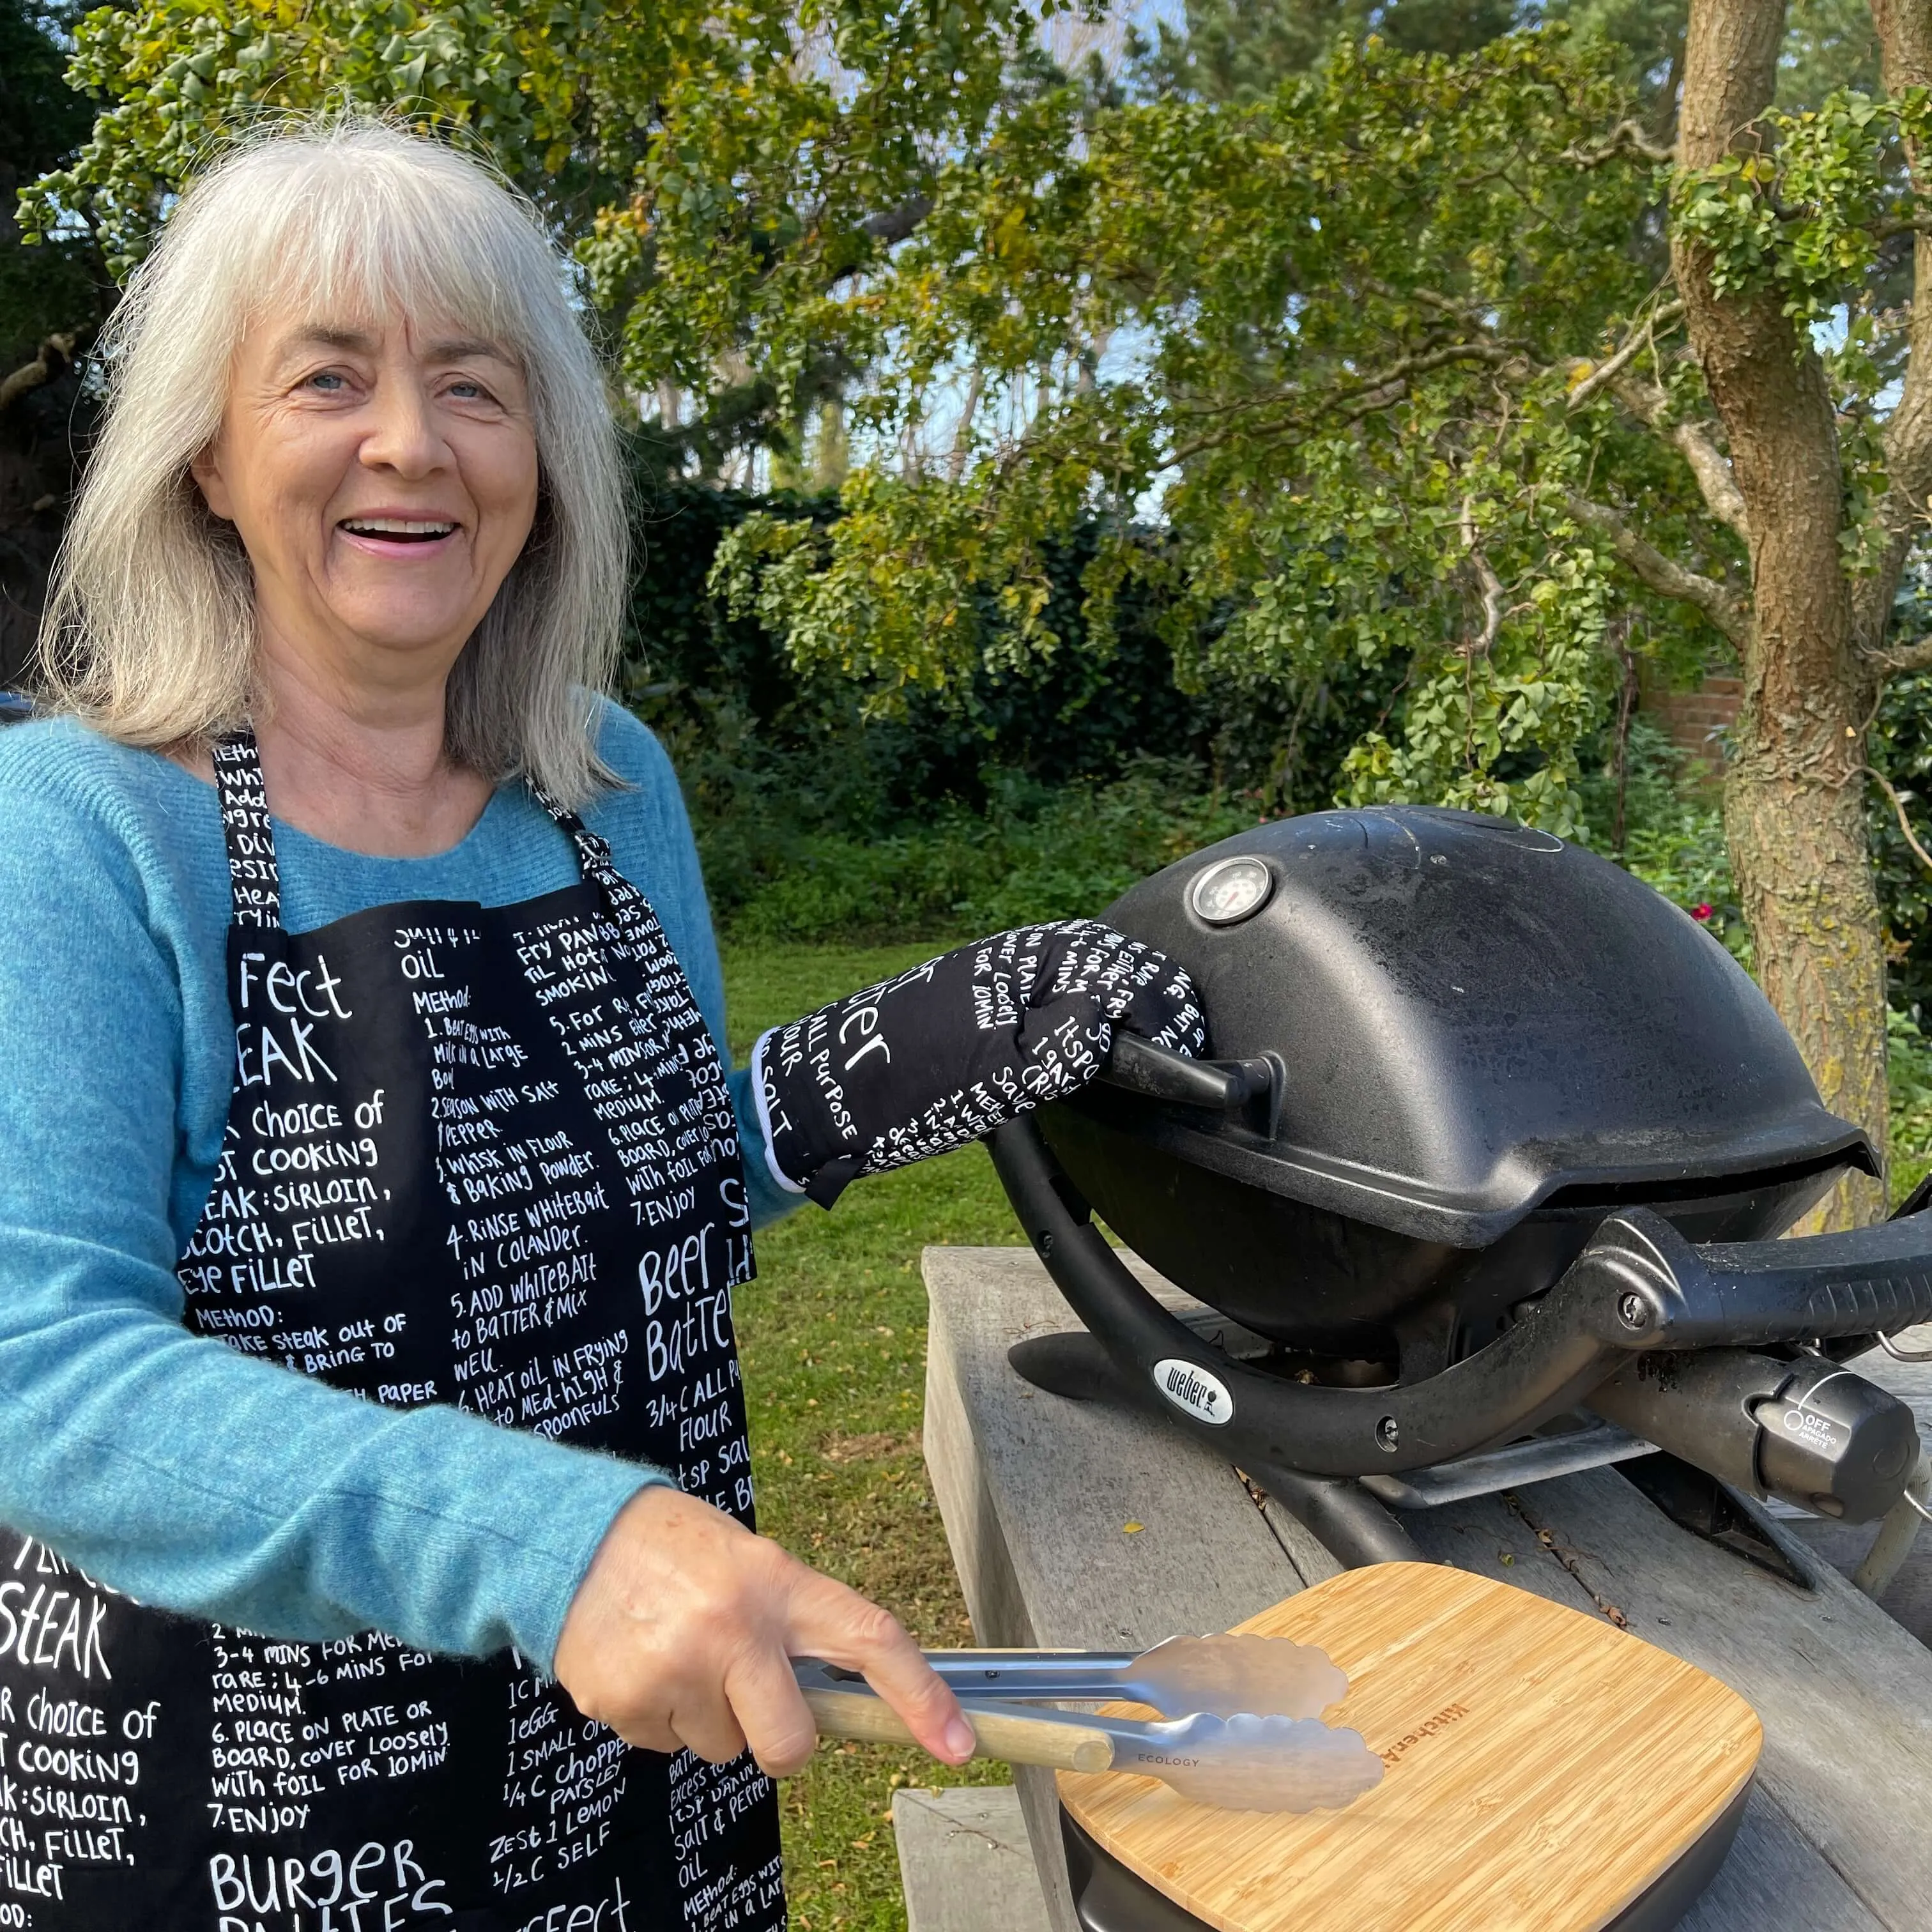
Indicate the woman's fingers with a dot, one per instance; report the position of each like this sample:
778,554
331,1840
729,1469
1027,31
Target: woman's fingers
708,1725
683,1630
838,1625
771,1710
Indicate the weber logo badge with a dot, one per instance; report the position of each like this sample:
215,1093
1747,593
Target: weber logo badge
1203,1396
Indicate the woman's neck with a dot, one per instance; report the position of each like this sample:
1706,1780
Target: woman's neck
365,770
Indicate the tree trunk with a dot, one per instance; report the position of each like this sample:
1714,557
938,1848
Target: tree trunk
1794,803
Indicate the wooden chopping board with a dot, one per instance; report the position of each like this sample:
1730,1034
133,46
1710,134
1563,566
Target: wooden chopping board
1541,1770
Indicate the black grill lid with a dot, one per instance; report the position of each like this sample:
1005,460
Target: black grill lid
1473,1016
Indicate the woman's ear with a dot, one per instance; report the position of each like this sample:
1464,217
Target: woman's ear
206,470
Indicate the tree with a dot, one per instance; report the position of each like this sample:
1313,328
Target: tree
1432,367
1829,498
1400,353
706,162
51,298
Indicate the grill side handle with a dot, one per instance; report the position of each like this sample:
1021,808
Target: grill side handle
1671,1293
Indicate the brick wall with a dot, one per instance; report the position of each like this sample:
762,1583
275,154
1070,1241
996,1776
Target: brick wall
1692,717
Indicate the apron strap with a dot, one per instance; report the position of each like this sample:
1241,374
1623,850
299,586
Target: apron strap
630,910
254,884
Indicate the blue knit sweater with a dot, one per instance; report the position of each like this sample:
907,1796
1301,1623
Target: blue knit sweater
168,1466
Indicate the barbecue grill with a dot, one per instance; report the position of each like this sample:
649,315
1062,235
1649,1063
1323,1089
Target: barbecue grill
1481,1183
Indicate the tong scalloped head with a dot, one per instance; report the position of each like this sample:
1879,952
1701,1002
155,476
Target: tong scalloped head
1225,1675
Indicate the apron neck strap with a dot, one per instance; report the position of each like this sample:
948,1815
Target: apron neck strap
630,911
254,884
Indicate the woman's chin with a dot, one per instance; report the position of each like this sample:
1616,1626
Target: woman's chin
422,632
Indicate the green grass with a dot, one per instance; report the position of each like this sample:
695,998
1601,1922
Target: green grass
833,1337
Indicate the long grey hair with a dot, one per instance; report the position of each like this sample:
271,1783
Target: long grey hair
149,632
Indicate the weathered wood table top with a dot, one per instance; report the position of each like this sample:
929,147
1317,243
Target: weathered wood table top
1041,1498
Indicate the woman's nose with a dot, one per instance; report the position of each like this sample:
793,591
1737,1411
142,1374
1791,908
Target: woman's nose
403,433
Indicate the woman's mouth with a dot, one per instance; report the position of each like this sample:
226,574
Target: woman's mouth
397,530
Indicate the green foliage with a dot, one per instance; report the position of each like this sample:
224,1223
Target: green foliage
823,804
1673,834
1828,44
1900,746
1354,313
1290,353
1909,1066
710,164
1806,214
1240,50
1521,706
51,289
1032,854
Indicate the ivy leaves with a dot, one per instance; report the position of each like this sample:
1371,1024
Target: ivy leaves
1806,212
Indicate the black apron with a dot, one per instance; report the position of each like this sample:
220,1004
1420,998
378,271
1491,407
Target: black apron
479,1156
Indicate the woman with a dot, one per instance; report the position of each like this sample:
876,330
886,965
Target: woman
372,1186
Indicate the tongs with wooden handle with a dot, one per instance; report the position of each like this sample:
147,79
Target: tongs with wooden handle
1269,1676
1242,1762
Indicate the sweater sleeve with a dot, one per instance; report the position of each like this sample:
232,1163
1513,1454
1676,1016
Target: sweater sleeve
168,1466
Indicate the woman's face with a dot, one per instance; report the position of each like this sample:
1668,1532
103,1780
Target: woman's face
383,475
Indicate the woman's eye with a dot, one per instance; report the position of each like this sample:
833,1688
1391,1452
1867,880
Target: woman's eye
470,392
328,381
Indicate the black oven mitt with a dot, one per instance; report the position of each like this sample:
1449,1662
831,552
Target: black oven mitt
942,1054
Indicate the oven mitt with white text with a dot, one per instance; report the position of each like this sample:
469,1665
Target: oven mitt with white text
944,1053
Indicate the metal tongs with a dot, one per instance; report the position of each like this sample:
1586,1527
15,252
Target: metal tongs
1243,1730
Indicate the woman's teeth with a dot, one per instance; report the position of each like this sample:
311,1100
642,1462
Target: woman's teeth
408,529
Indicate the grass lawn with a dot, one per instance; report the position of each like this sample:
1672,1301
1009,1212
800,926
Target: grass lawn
833,1337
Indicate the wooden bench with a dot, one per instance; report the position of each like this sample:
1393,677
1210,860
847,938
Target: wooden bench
964,1861
1074,1524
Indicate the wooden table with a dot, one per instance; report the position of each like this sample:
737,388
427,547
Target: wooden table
1074,1524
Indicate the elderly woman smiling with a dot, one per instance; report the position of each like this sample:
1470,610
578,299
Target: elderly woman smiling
372,1186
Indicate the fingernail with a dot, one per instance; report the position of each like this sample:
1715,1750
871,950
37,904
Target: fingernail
960,1740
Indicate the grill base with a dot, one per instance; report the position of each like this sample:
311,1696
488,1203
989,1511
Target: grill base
1108,1898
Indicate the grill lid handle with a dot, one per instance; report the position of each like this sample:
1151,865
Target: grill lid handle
1251,1087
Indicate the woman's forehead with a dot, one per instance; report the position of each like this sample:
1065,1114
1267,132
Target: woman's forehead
363,281
297,324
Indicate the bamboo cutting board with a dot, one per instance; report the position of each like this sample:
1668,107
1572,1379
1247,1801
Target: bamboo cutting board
1542,1769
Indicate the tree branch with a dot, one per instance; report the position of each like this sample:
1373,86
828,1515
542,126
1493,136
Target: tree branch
1898,806
962,434
1486,576
1627,140
1715,482
1905,45
1901,658
892,225
1651,566
53,355
1377,392
1609,370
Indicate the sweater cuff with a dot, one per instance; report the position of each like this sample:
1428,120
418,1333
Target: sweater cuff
578,1513
764,1105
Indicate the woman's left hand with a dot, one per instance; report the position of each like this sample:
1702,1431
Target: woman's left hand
945,1053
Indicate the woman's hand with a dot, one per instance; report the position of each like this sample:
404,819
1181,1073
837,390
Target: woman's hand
945,1053
682,1632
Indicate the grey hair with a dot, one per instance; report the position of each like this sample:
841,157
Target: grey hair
149,630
